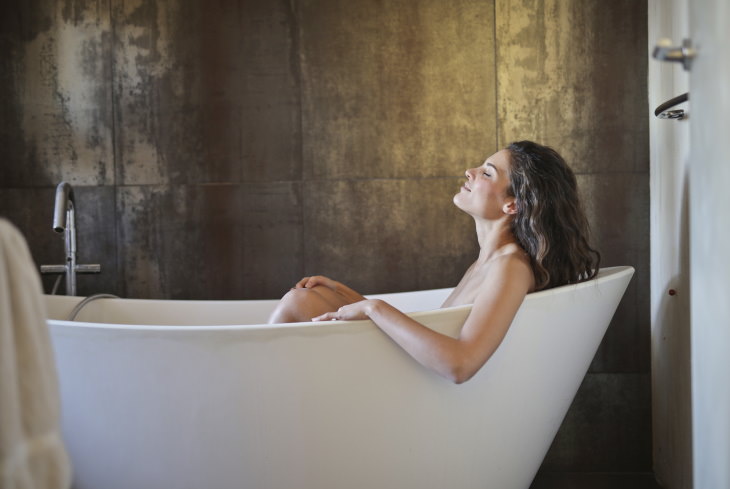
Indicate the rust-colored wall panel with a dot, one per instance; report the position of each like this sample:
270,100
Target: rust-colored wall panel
618,210
606,429
388,235
206,92
31,210
396,89
210,241
564,80
56,106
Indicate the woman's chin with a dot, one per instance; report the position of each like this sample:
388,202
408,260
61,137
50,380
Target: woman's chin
457,201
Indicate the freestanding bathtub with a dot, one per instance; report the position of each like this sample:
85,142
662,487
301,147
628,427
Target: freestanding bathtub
186,394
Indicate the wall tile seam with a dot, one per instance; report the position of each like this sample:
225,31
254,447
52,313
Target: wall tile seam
162,184
263,182
297,63
497,125
358,179
223,184
119,263
53,186
250,182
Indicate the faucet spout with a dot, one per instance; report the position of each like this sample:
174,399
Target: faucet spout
64,222
64,202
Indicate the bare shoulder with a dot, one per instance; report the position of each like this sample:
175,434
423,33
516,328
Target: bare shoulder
510,270
496,302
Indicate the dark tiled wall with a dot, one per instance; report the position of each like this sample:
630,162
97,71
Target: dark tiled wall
223,149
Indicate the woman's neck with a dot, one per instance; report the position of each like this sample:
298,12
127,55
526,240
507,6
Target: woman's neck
493,236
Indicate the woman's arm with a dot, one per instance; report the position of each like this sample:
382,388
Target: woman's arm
457,359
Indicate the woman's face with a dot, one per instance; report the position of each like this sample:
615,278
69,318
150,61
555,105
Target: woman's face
484,195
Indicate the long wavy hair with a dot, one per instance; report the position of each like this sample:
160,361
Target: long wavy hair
550,223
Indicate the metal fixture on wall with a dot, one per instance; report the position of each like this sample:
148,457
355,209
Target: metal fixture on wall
64,221
663,111
664,51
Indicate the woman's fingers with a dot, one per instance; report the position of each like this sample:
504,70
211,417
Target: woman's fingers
319,280
328,316
309,282
338,315
350,312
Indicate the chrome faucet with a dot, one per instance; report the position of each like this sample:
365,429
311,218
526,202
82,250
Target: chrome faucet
64,221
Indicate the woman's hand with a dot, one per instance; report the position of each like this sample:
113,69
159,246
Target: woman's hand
351,312
318,280
309,282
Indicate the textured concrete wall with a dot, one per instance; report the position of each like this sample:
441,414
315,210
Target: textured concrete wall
225,149
222,149
56,122
397,99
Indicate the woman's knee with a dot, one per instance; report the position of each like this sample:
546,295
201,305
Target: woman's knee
300,297
299,305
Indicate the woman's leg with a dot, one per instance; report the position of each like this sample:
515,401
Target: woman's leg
301,305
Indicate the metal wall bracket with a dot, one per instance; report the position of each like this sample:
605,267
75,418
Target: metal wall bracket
684,54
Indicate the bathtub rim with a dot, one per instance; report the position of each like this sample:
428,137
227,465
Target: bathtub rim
604,275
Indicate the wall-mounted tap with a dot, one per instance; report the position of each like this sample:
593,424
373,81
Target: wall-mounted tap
64,221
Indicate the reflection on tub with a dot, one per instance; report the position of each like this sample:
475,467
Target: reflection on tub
192,394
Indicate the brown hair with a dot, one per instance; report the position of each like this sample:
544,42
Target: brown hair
550,224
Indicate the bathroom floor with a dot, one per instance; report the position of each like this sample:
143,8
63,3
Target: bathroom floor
591,480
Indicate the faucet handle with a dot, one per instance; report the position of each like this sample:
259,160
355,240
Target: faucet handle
88,268
48,269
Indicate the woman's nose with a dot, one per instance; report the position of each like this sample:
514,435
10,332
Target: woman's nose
468,174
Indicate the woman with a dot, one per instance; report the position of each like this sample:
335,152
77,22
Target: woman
532,236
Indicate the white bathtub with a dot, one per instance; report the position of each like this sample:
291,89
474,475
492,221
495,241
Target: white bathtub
185,394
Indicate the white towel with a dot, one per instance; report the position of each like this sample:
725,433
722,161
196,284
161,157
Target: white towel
32,455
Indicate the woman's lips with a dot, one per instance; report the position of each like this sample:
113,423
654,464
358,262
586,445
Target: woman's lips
465,187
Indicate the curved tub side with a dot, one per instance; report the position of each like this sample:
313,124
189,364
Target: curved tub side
549,348
322,406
